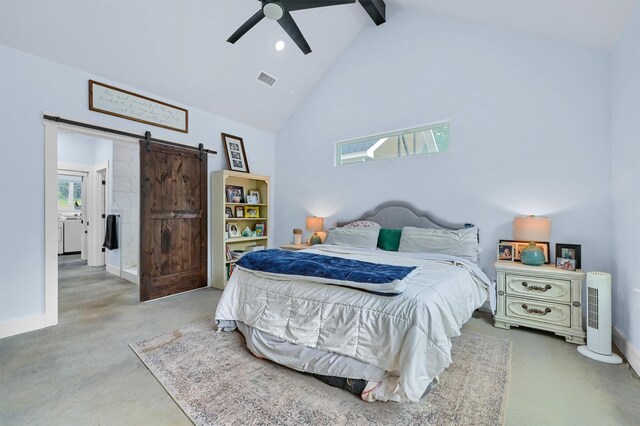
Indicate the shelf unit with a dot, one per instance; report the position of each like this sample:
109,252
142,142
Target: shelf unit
219,221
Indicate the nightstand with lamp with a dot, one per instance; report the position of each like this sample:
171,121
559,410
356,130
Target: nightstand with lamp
532,294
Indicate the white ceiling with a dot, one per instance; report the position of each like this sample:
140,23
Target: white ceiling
177,49
594,23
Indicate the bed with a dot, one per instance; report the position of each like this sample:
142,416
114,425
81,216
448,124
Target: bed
396,345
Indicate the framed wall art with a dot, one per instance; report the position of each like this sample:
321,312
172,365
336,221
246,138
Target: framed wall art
124,104
236,155
519,245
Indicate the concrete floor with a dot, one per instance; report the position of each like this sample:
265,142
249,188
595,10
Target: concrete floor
83,372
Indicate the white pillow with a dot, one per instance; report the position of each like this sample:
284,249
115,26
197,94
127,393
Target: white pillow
363,224
353,237
461,242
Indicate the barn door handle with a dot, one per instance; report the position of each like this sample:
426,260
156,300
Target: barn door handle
536,311
536,287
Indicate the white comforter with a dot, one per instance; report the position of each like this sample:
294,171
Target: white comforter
408,335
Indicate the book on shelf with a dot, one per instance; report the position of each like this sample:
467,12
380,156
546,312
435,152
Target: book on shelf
259,229
228,253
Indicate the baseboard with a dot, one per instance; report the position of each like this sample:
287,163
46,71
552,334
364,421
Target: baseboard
628,350
112,270
22,325
131,277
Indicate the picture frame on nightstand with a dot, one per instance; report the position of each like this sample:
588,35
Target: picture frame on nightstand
571,252
505,252
519,245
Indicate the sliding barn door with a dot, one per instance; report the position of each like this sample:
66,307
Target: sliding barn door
173,220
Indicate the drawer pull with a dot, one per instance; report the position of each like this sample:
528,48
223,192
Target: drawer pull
536,311
536,287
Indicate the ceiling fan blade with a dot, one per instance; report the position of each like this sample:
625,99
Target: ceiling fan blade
289,25
246,26
291,5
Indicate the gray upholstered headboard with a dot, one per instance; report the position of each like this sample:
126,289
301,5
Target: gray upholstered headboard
396,214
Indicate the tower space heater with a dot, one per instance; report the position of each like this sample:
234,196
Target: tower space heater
598,345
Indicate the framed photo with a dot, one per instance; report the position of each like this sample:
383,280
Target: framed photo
228,212
253,211
505,252
259,229
571,252
233,230
236,155
566,264
254,193
234,194
239,211
519,245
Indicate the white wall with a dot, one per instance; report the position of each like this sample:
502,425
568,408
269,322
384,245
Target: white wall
530,133
625,151
30,86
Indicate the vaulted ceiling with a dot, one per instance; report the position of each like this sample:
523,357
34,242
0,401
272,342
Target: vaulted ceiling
178,49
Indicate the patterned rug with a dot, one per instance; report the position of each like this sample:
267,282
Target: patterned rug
217,381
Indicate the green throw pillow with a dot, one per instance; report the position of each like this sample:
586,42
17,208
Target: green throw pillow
389,239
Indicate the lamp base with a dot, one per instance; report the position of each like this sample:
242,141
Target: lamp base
315,239
532,255
609,359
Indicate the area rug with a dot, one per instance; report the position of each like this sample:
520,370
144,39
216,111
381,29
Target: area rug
217,381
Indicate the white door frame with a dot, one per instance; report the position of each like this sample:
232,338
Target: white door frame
51,130
96,208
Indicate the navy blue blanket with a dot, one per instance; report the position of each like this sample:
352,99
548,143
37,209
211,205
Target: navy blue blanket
373,277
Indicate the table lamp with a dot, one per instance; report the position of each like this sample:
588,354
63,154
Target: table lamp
532,228
315,224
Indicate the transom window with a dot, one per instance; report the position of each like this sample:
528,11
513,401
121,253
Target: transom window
406,143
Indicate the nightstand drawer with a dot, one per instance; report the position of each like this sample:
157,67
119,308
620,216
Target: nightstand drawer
540,288
551,313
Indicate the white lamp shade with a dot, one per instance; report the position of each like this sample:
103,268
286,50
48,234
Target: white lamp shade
532,228
314,224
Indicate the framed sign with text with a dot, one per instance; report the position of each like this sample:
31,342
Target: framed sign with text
124,104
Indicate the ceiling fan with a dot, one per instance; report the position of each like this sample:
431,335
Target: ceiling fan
279,10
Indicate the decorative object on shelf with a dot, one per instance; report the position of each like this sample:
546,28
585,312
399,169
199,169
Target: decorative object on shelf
233,230
518,246
315,224
228,212
297,236
505,252
599,319
234,194
247,232
236,155
532,228
228,253
240,211
252,199
254,193
131,106
568,255
252,212
259,229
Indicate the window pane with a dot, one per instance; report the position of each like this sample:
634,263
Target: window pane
423,140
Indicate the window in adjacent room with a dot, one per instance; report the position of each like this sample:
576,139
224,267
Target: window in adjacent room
405,143
69,192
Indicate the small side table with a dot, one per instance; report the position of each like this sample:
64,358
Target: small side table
294,247
541,297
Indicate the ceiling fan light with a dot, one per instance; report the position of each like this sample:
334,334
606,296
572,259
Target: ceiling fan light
273,10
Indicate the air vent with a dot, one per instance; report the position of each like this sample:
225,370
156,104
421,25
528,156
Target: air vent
266,79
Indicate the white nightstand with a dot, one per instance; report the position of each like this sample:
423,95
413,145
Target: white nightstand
294,247
542,297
